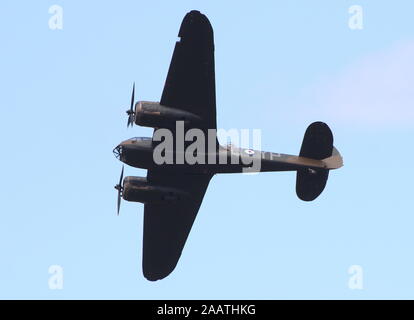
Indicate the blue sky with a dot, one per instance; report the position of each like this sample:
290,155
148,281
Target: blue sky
279,67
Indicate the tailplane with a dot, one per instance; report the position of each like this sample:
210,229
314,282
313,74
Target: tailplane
318,145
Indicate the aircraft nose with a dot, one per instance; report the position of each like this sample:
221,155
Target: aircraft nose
118,152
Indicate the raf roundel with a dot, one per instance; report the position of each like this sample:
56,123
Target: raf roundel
250,152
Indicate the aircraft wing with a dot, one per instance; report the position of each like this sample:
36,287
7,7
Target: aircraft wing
190,86
190,83
167,225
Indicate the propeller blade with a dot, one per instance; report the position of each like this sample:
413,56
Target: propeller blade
133,96
130,112
119,188
122,175
119,201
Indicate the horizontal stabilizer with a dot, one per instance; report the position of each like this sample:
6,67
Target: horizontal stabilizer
317,144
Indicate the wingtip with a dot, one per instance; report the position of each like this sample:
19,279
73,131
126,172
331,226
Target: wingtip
195,20
154,276
156,270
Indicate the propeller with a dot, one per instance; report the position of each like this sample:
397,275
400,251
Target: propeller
130,112
120,189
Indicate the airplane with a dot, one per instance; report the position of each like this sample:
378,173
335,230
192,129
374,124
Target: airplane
172,192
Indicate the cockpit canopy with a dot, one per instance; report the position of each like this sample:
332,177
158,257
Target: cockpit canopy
135,139
138,141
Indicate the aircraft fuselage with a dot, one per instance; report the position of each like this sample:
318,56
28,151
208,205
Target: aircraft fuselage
139,153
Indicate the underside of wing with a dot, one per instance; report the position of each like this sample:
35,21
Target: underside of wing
167,225
190,83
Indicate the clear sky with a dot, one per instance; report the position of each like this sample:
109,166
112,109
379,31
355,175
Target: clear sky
280,65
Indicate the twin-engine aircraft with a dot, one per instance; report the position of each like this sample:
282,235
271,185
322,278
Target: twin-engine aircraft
172,192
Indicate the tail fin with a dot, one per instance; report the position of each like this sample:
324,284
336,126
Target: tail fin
335,161
317,144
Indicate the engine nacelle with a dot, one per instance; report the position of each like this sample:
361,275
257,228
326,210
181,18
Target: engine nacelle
138,189
155,115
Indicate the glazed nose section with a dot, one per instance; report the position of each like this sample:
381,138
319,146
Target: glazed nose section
118,152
